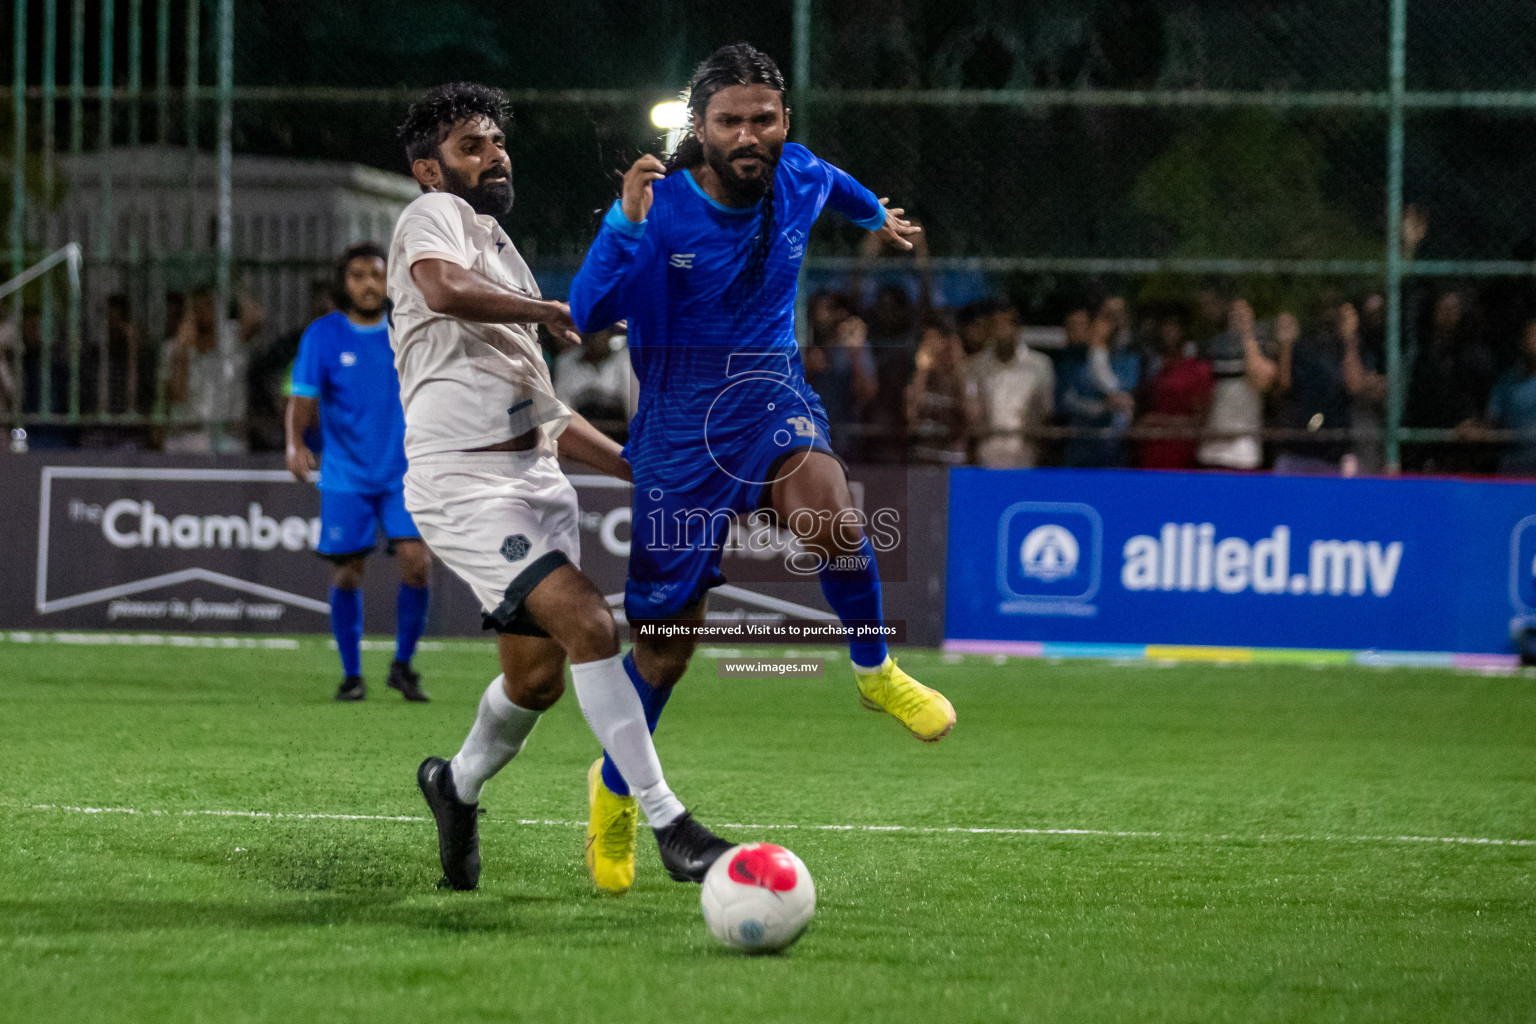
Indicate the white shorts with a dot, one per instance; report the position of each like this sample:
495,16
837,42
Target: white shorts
502,521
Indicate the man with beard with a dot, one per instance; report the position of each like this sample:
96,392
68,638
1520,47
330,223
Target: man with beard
700,256
345,376
482,431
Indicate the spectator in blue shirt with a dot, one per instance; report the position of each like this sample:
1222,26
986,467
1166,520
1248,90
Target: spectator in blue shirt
1100,374
1512,406
345,377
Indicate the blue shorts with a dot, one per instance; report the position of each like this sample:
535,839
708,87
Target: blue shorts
677,537
350,522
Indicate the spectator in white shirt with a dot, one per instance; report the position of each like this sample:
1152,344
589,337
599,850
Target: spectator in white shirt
203,376
1014,388
594,380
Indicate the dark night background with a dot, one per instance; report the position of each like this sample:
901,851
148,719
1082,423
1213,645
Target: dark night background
988,180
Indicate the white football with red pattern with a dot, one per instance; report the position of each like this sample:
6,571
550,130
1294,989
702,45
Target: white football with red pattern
758,897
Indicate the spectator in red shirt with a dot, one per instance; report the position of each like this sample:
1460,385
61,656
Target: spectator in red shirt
1176,397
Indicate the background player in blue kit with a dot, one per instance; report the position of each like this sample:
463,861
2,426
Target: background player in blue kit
701,256
345,376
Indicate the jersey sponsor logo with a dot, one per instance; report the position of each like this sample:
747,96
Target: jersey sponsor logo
349,359
515,548
795,239
803,426
682,260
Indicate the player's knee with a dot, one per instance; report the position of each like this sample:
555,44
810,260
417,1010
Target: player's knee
539,688
592,635
349,574
415,565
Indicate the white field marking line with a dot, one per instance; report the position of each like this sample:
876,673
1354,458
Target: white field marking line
917,829
266,643
429,646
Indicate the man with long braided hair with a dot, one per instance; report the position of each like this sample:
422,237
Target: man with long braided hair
700,255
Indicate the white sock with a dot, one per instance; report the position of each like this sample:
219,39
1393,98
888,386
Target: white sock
613,710
497,735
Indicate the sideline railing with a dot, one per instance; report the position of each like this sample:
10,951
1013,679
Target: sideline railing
13,393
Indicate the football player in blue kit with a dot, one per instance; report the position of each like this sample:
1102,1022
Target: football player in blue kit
701,255
345,377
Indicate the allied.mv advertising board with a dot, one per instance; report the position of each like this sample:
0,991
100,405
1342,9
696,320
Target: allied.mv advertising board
1243,560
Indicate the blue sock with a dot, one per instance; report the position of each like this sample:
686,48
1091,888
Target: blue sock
653,700
410,620
347,627
855,595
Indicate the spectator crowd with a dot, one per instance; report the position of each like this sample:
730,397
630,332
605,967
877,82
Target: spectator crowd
1207,382
1204,381
1204,384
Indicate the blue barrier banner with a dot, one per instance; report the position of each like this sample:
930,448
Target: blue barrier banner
1123,557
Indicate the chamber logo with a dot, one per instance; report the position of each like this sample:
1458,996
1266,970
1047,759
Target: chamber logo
138,543
1049,553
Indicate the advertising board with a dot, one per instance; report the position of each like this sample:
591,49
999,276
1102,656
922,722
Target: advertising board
136,543
1216,559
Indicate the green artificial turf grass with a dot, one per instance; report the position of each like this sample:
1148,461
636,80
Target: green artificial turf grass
1275,887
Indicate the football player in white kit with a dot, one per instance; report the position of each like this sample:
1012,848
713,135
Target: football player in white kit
482,431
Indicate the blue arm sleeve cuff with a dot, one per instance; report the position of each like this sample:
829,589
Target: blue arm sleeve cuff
875,222
623,225
306,390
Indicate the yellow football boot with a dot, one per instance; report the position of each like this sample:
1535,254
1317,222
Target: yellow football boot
610,835
923,710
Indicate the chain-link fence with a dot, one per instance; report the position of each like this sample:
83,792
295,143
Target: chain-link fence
1174,154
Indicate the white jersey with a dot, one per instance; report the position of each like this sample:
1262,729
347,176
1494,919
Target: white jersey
465,385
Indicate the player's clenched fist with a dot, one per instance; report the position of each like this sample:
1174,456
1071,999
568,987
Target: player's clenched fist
637,186
558,319
301,462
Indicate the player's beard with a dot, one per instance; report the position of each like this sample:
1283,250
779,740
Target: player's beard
743,191
491,197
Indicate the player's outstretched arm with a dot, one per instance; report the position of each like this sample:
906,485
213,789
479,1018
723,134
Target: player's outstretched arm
455,291
860,205
597,289
584,443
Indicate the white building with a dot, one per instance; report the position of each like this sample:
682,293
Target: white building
291,218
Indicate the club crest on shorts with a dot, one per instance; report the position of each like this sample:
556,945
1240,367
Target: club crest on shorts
515,548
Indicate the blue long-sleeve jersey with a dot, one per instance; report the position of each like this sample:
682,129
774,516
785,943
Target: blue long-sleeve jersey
691,336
